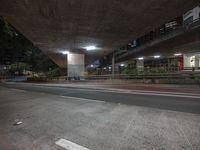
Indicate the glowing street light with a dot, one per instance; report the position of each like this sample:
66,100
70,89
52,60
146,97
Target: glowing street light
141,58
122,65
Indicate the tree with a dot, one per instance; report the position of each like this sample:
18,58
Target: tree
19,67
18,50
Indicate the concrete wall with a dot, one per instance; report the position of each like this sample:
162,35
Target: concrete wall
75,65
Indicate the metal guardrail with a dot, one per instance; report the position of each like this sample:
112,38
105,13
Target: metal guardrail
192,77
136,76
168,78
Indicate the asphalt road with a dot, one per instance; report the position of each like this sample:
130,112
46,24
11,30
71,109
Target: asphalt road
180,103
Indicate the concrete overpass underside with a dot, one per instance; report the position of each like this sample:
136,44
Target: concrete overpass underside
54,26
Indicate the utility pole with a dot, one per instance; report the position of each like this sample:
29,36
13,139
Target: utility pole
67,67
113,65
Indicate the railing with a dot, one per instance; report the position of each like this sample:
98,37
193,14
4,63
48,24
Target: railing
163,37
165,78
181,78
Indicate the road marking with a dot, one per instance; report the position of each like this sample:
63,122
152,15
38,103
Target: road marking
77,98
69,145
142,93
108,90
113,89
139,92
162,94
18,90
152,93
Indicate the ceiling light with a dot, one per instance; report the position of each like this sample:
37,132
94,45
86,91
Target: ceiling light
65,52
178,54
157,56
89,48
141,58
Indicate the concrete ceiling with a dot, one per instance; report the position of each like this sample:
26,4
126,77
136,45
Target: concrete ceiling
57,25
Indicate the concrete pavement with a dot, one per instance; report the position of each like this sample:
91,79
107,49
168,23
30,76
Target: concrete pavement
95,124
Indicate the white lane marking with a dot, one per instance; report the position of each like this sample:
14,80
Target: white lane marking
152,93
18,90
162,94
77,98
143,93
116,90
140,92
69,145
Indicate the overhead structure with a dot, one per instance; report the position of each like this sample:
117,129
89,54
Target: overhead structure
90,27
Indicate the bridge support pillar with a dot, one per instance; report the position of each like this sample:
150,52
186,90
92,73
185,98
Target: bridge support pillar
113,66
75,65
